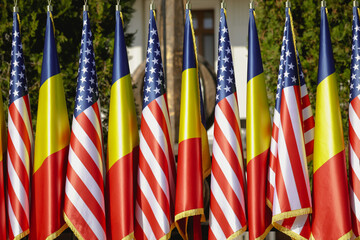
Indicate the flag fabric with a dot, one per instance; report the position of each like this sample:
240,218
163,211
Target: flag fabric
227,217
354,122
20,142
84,204
123,145
331,210
289,192
51,147
307,114
258,137
205,152
189,189
155,199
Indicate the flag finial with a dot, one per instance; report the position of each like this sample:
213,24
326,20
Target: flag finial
118,6
356,3
323,3
252,5
223,4
152,5
188,5
49,7
288,4
15,9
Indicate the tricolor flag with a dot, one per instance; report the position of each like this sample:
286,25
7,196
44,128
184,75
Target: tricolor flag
289,187
227,217
51,147
258,135
189,189
156,175
205,152
354,126
331,211
123,145
20,142
84,207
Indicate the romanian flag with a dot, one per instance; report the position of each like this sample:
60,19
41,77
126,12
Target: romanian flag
51,146
258,131
2,170
123,144
189,191
331,210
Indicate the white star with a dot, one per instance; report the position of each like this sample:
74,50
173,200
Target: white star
16,63
16,34
302,75
157,90
353,77
18,84
84,70
353,47
91,90
221,78
92,81
281,67
291,66
161,73
83,79
288,53
148,89
90,34
149,50
286,74
80,98
283,48
220,48
277,95
153,31
151,41
155,61
355,38
83,32
20,45
357,28
219,87
85,22
279,77
358,87
88,51
152,70
93,72
78,108
88,99
159,82
93,63
222,39
224,30
232,71
278,86
228,50
357,57
11,82
230,80
356,67
18,54
82,42
281,57
293,79
146,98
16,93
217,97
350,95
89,42
157,52
82,88
13,73
226,59
227,89
86,60
14,43
223,69
150,80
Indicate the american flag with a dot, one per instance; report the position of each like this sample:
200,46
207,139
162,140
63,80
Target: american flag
156,173
84,208
354,124
227,200
20,141
289,188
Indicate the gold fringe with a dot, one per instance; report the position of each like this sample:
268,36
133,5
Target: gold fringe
189,213
268,203
288,232
21,235
291,214
57,233
344,237
237,233
129,237
263,236
72,227
168,235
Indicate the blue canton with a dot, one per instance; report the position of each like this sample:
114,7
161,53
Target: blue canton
18,84
225,72
288,70
355,57
302,76
87,87
154,81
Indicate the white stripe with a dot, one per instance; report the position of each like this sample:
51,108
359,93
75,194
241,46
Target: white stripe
307,112
297,125
228,172
354,120
84,211
215,227
154,204
15,226
227,131
299,223
22,109
86,177
354,162
271,177
355,204
303,90
86,142
276,118
94,119
274,147
224,205
276,203
309,135
154,165
144,223
18,187
19,144
286,170
234,106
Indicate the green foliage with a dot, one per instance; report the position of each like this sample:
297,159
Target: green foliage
68,24
306,19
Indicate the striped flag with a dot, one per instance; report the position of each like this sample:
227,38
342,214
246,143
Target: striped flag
84,205
331,211
307,114
123,145
354,124
258,135
289,187
227,217
20,141
51,147
189,188
156,173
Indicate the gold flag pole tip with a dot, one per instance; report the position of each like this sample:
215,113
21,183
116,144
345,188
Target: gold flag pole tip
50,8
223,4
323,3
252,5
86,7
356,3
152,5
288,4
16,9
118,7
188,5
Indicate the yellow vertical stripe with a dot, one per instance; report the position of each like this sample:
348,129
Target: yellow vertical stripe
258,124
123,130
329,139
190,120
52,127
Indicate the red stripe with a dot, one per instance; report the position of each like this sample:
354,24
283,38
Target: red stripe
218,214
20,126
78,221
48,185
355,183
19,167
90,130
309,124
355,103
354,140
309,148
120,196
305,101
86,160
228,112
275,132
27,104
306,231
139,233
211,235
86,196
331,200
355,224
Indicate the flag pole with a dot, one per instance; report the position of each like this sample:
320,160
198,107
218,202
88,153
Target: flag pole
323,3
356,3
